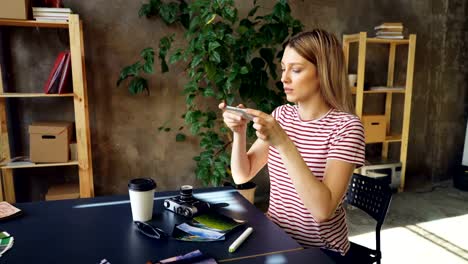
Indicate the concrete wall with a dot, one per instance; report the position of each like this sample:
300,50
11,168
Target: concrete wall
125,139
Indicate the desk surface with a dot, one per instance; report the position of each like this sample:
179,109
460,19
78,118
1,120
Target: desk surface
310,255
89,230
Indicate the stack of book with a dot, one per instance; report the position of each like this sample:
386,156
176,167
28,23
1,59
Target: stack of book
389,30
53,14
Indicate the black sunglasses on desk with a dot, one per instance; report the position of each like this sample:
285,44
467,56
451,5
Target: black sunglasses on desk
150,230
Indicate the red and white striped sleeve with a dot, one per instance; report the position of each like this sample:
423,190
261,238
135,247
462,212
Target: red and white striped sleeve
348,144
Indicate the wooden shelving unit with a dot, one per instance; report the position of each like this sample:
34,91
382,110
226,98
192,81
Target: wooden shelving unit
80,102
362,40
20,95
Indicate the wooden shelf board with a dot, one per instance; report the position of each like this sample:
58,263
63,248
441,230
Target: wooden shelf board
17,95
390,138
70,163
353,91
393,138
32,23
355,38
387,41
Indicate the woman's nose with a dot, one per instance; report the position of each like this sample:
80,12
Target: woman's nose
285,77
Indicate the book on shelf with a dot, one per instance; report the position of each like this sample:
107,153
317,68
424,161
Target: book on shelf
390,29
51,19
389,25
64,84
50,14
52,84
389,33
52,9
390,37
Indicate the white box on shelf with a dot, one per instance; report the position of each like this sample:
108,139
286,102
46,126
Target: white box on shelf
392,170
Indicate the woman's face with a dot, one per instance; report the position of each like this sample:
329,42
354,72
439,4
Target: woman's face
299,77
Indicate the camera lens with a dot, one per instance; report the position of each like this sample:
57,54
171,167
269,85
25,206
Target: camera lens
186,193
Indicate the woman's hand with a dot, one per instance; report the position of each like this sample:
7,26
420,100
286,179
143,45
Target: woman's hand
234,121
267,129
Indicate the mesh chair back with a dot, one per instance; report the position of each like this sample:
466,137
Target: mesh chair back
370,195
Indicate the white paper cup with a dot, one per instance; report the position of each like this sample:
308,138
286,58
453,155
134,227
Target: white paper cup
141,193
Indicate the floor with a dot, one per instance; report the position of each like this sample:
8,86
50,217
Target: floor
427,225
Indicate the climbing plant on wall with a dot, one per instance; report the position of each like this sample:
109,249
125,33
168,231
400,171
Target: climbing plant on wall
227,57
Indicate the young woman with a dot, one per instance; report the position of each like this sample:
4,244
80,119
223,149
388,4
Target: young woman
311,147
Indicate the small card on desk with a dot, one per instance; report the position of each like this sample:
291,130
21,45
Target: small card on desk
8,211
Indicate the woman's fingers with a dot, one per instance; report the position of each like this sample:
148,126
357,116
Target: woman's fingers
222,105
232,116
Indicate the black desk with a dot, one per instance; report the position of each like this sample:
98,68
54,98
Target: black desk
310,255
89,230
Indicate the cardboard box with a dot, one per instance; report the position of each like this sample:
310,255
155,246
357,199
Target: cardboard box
63,191
73,151
15,9
50,141
375,128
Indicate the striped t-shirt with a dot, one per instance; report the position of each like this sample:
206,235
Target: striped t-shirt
337,135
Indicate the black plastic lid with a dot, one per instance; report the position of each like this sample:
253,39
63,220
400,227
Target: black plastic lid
141,184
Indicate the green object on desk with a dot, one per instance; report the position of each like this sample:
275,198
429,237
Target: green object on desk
6,242
217,221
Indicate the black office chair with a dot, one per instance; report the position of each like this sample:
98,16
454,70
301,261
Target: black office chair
373,197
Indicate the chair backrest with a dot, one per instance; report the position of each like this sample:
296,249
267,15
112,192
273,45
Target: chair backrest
370,195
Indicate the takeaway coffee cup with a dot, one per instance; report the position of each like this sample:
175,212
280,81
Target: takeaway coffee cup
141,193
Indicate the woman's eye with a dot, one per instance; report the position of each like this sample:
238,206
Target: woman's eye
296,70
282,69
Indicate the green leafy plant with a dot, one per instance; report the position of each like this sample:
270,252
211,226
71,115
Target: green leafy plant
227,58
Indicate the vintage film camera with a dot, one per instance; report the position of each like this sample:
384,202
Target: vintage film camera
185,204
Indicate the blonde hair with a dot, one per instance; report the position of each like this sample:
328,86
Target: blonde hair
324,50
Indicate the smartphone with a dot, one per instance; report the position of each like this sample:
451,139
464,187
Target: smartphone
240,111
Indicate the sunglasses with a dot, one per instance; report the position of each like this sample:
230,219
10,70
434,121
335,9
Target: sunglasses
150,230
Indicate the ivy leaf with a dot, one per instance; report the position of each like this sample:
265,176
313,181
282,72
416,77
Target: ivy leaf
145,10
213,45
148,54
195,128
168,12
208,92
196,60
176,56
268,55
129,71
189,99
184,14
244,70
215,57
180,137
210,69
164,45
138,85
230,14
253,11
150,9
210,19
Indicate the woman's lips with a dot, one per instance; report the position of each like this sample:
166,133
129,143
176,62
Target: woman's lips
287,90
